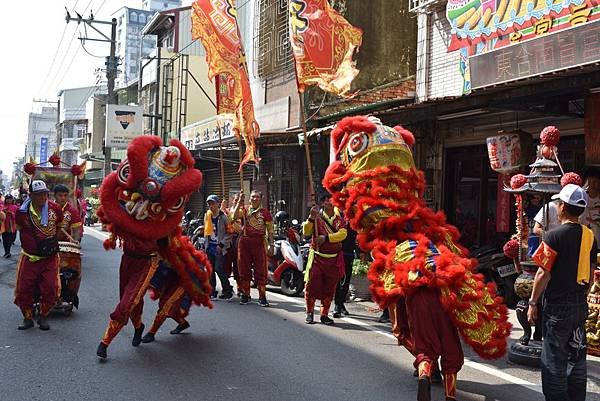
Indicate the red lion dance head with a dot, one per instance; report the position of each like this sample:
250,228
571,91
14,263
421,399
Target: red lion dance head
144,200
375,182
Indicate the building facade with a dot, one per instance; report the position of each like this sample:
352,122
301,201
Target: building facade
485,68
71,128
131,47
41,135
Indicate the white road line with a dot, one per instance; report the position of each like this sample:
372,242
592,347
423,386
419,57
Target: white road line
95,233
490,370
468,362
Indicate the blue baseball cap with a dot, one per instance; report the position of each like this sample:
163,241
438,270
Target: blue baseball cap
212,198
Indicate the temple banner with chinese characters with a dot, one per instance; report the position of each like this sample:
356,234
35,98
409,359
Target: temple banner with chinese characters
573,47
205,134
484,25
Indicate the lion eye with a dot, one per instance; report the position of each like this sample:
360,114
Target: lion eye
123,172
180,203
357,143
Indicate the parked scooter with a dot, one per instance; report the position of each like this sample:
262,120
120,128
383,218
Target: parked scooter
189,224
286,266
496,267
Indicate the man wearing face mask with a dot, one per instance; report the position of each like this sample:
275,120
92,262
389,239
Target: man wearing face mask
38,221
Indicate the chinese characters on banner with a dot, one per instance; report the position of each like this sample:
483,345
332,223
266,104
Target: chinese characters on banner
565,49
502,205
43,150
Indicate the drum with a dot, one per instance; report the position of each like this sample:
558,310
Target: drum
70,261
70,247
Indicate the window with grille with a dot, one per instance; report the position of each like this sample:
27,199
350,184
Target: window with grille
271,42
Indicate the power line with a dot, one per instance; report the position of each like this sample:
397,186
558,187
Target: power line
57,72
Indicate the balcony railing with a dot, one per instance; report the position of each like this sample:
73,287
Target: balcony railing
422,5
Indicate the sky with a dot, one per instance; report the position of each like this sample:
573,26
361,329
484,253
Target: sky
36,67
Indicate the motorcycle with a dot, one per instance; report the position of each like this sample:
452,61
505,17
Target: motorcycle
496,267
190,225
285,268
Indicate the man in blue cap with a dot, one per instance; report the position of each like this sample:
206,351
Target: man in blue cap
217,243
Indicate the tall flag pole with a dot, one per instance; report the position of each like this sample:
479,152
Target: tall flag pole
323,44
214,23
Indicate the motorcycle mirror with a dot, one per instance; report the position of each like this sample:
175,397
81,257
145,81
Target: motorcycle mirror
294,222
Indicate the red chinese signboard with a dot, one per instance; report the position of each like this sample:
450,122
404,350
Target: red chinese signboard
573,47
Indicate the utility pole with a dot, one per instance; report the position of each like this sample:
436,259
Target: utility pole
111,68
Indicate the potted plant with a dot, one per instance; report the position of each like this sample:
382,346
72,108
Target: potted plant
359,285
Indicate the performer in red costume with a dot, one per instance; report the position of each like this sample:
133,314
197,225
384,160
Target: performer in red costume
38,220
252,249
415,256
173,302
142,204
69,236
326,260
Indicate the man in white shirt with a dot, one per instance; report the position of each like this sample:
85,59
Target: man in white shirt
540,219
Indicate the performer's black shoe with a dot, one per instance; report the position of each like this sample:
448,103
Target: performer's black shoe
101,351
43,324
327,320
310,318
263,302
226,295
337,312
180,327
137,336
345,311
424,389
27,324
148,338
245,300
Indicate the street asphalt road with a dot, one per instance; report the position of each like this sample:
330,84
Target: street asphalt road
231,352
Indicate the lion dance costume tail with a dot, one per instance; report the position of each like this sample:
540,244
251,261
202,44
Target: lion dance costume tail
375,182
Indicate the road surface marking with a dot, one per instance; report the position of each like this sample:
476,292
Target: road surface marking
490,370
468,362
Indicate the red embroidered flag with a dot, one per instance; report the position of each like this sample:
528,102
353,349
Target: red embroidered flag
545,256
323,43
214,23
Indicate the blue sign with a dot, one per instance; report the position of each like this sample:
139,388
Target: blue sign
43,150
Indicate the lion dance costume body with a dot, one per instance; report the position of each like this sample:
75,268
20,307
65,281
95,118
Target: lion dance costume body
416,259
142,204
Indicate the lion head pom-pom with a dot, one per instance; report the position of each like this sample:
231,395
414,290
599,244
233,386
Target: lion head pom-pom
550,136
517,181
571,178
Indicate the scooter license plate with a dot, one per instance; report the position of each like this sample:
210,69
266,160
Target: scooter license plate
506,270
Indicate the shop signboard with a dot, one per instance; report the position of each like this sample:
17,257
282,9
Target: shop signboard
570,48
123,123
205,134
574,47
484,25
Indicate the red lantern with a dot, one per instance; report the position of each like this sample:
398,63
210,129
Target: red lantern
29,168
